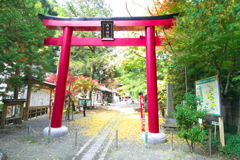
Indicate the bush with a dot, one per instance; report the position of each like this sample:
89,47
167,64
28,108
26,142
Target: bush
231,148
1,106
187,116
109,100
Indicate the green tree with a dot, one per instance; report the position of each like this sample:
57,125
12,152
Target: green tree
133,67
89,60
206,39
86,59
49,7
22,51
187,116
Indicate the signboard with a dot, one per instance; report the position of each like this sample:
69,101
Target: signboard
107,30
10,111
40,98
81,101
209,91
13,111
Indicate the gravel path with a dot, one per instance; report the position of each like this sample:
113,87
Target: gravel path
17,144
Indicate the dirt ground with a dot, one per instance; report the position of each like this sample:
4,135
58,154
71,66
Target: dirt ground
27,142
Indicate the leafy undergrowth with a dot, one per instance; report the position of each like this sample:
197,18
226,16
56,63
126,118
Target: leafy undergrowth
231,148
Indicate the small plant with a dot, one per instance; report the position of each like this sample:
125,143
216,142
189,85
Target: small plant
187,116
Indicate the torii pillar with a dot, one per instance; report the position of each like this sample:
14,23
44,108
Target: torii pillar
68,25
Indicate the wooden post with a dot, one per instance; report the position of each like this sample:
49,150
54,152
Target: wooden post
4,113
210,141
221,130
26,114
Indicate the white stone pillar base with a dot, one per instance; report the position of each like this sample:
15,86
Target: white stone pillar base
55,132
155,137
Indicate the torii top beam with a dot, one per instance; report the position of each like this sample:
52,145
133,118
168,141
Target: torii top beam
94,24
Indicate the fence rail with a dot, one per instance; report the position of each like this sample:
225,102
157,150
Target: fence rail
34,112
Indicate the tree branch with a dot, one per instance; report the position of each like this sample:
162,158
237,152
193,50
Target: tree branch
92,49
167,39
127,9
149,11
139,55
155,7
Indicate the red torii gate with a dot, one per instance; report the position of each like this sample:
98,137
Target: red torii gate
68,25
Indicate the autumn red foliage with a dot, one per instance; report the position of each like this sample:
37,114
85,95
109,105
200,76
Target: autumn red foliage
75,85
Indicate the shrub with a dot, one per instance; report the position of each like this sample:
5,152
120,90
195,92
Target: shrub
232,145
1,106
187,116
109,100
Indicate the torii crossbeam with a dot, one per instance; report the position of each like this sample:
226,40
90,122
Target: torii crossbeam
68,25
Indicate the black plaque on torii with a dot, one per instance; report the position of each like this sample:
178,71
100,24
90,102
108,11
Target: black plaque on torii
107,30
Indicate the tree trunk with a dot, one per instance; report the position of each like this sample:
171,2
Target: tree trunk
238,132
92,70
73,106
69,101
16,88
227,83
15,92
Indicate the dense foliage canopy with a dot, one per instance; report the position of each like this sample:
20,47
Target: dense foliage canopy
22,51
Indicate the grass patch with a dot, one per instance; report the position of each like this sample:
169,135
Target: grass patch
29,139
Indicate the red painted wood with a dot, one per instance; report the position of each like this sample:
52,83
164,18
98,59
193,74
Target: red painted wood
153,121
68,25
98,42
62,79
119,25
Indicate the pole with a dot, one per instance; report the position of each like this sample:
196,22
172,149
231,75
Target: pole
151,81
221,130
143,119
116,139
76,136
210,141
171,136
62,78
28,131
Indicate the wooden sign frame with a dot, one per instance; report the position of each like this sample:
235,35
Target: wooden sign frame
107,30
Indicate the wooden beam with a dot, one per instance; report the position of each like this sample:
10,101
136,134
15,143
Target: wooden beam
75,41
